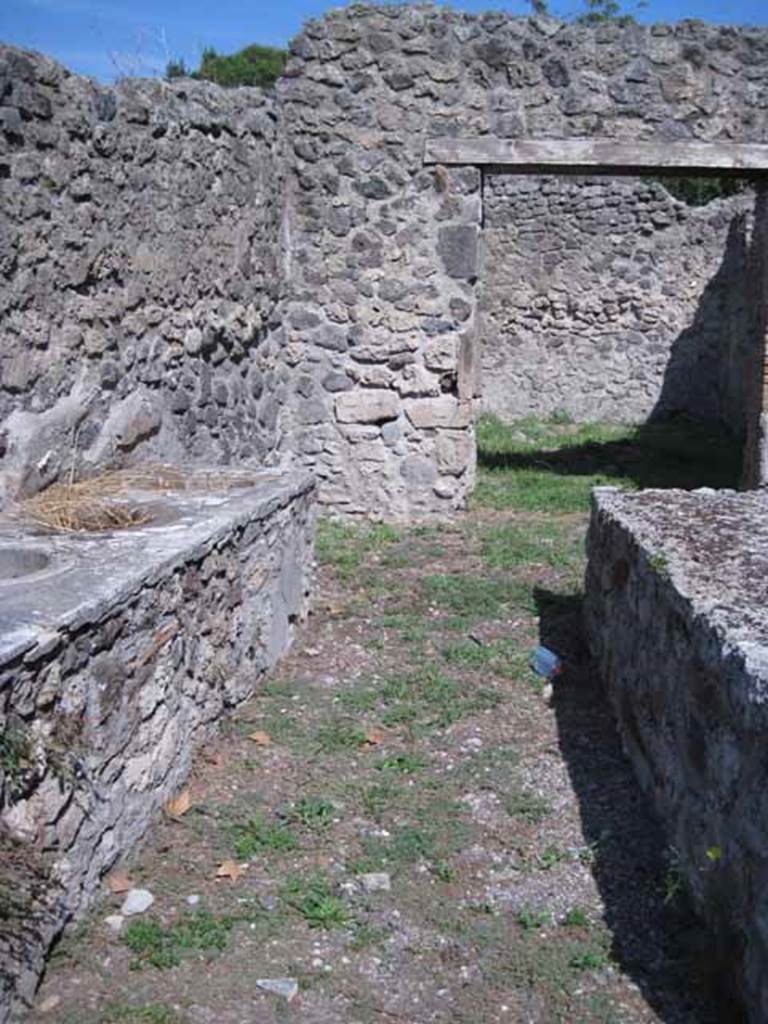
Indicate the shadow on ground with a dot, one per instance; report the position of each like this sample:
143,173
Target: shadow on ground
656,939
676,452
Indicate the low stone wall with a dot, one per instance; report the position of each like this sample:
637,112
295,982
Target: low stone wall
677,592
115,662
609,299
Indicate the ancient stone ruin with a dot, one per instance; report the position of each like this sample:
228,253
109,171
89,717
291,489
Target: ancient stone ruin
432,214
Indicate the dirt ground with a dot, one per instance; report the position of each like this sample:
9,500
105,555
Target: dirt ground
406,825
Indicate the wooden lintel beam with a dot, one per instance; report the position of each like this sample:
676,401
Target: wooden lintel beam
601,156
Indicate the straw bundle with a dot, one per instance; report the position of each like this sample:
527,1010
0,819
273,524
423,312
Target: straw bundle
103,502
82,508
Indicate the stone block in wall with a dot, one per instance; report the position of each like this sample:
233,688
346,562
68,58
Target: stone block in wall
367,406
418,471
441,353
445,411
455,452
457,247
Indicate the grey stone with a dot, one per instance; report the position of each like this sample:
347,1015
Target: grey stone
445,411
457,248
335,381
377,881
137,901
367,406
418,471
286,988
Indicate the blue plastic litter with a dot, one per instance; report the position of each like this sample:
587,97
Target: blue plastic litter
545,662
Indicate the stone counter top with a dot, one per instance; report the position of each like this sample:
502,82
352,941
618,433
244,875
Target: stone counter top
89,574
676,615
713,547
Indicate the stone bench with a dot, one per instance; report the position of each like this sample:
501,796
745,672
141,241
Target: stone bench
119,654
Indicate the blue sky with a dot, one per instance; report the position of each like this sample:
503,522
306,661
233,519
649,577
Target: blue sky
106,38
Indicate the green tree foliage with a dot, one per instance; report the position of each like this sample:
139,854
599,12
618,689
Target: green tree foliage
701,190
598,11
253,65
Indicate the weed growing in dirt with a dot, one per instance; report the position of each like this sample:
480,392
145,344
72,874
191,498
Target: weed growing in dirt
364,936
379,797
313,898
154,1014
313,812
157,945
527,806
15,753
258,835
551,856
401,764
576,917
529,918
336,735
122,1013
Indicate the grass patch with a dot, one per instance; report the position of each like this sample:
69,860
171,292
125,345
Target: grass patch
313,812
576,917
380,796
427,697
543,542
529,918
336,735
401,764
260,835
435,834
365,936
551,971
154,1013
313,898
423,698
411,627
502,657
346,545
156,945
527,806
474,598
539,466
551,856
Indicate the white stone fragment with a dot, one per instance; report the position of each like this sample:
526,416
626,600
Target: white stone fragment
114,922
286,988
137,902
377,881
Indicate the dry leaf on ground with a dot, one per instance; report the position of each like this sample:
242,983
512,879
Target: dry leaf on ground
229,869
177,806
261,739
375,735
119,881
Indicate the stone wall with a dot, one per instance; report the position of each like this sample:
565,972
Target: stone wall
609,299
755,365
384,251
677,590
193,273
138,272
114,666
